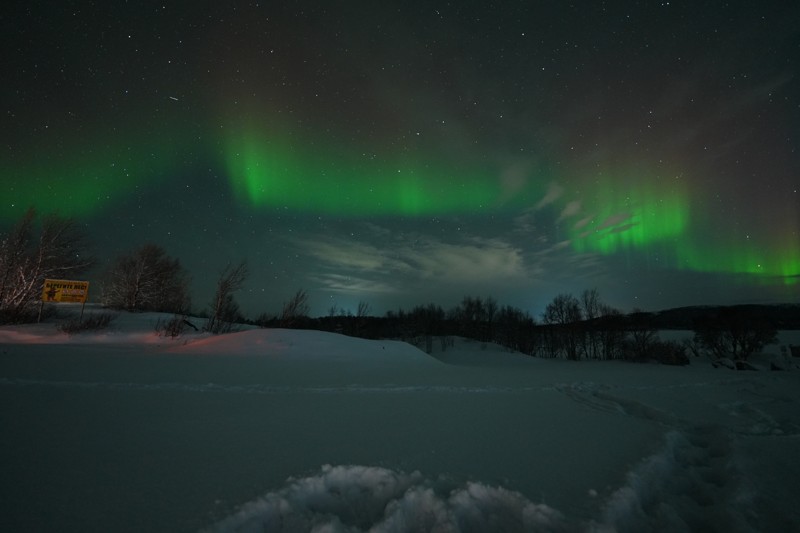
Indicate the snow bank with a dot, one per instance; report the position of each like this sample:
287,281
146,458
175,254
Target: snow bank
362,498
125,328
305,345
123,430
470,352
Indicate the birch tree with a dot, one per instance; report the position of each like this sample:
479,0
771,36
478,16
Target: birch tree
30,254
224,309
147,280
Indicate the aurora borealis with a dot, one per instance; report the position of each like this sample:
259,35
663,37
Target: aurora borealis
273,174
410,152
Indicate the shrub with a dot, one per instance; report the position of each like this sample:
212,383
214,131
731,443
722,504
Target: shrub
669,353
93,322
173,327
733,333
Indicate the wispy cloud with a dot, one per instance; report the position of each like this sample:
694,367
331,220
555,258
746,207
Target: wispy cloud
623,228
571,209
346,265
478,260
554,192
614,220
350,255
353,284
583,222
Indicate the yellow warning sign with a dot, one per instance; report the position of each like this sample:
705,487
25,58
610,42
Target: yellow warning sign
64,290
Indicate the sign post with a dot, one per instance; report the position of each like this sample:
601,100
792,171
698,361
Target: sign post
64,291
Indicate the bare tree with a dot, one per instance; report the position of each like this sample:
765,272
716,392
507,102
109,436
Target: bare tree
224,309
25,261
564,309
475,315
590,303
364,310
295,308
147,280
611,332
564,333
516,330
643,336
490,314
15,249
734,333
591,309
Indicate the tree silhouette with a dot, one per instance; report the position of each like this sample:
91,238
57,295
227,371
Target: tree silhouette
294,309
734,333
147,280
28,257
224,309
564,333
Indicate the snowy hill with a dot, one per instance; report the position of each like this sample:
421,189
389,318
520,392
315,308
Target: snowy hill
284,430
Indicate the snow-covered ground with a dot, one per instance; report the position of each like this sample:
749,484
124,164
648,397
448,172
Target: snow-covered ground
278,430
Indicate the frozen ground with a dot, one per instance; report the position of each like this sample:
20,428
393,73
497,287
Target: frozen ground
277,430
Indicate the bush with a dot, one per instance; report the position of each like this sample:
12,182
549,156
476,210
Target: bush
28,314
173,327
669,353
733,333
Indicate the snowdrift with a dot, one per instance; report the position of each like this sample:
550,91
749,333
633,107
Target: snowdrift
279,430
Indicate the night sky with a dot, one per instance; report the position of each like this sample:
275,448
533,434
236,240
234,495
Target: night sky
408,152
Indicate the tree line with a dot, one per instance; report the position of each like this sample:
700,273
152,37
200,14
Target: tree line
144,279
574,328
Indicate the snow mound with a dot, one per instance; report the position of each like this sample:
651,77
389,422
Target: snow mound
461,351
305,345
124,328
350,498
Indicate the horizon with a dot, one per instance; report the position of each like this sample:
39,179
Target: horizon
345,313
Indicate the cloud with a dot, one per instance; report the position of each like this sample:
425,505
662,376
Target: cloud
513,179
359,267
614,220
571,209
759,93
524,222
349,255
554,192
378,262
583,222
353,284
478,260
559,262
623,228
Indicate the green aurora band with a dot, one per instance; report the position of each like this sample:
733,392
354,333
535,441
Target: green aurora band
83,184
639,219
646,217
658,222
270,172
782,264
